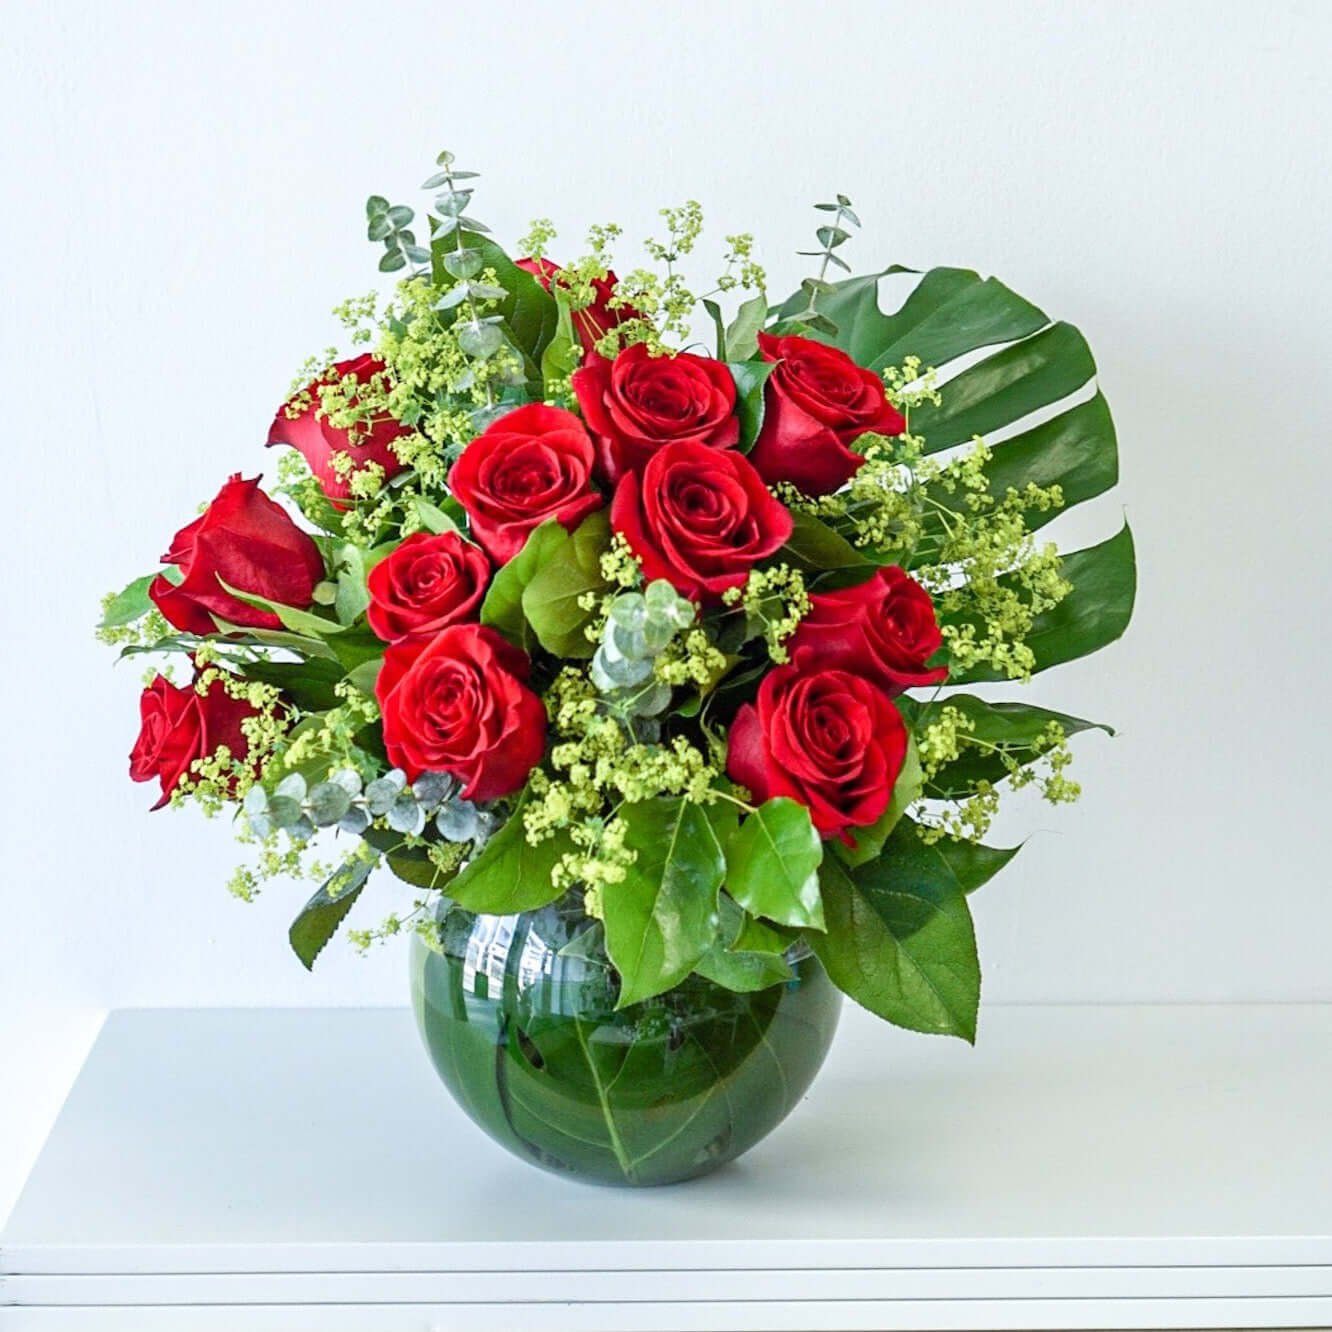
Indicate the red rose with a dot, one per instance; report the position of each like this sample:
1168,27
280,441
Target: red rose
178,725
827,738
425,585
817,401
458,704
883,628
638,402
246,540
319,442
532,464
594,321
699,517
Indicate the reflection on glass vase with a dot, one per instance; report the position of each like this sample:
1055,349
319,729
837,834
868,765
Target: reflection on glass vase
518,1014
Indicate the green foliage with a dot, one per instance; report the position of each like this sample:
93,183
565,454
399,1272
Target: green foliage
772,862
751,378
558,601
662,918
511,874
131,604
325,911
502,608
900,942
906,790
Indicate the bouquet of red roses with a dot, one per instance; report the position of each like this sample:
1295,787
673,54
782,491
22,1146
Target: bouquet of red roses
549,602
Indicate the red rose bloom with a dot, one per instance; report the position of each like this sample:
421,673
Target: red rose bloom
178,725
817,401
532,464
457,704
593,321
638,402
319,443
699,517
248,541
425,585
883,628
827,738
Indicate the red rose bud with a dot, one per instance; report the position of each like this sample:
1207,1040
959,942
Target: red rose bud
700,517
457,703
425,585
594,321
532,464
319,443
637,402
246,540
178,725
827,738
817,402
883,628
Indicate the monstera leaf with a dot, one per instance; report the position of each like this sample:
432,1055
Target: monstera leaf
1031,393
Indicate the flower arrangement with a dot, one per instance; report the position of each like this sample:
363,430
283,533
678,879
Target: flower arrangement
548,601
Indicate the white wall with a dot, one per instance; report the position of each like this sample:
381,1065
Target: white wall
183,195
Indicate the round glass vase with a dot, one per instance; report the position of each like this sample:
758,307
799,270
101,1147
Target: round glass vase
518,1015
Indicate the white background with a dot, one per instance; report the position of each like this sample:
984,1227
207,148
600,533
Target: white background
183,204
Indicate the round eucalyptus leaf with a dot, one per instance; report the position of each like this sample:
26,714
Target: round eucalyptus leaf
327,804
433,788
292,787
657,632
628,643
652,700
302,830
284,811
630,610
452,202
256,800
418,254
355,821
401,216
392,261
405,815
613,673
347,778
383,791
379,227
462,263
260,824
376,204
480,340
457,821
455,296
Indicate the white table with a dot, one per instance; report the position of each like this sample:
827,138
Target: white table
1083,1167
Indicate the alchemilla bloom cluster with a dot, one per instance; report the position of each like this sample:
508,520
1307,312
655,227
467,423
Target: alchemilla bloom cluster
549,602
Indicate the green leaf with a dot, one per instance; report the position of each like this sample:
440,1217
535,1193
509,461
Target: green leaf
715,314
1095,613
302,643
308,684
906,790
563,353
550,600
366,675
662,918
324,912
1016,727
772,863
817,548
750,378
352,596
741,341
433,518
759,936
502,608
129,605
744,972
965,865
298,621
510,874
529,311
1005,387
900,942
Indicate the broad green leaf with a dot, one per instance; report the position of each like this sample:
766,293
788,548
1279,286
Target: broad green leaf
510,874
1014,727
324,912
308,684
761,936
772,863
551,600
662,918
1006,386
1095,613
906,790
366,675
356,646
1076,450
503,604
900,942
742,971
302,643
294,619
129,605
965,865
714,313
741,339
750,377
352,596
816,547
432,517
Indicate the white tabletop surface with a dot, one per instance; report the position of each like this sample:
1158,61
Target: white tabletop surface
1084,1166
